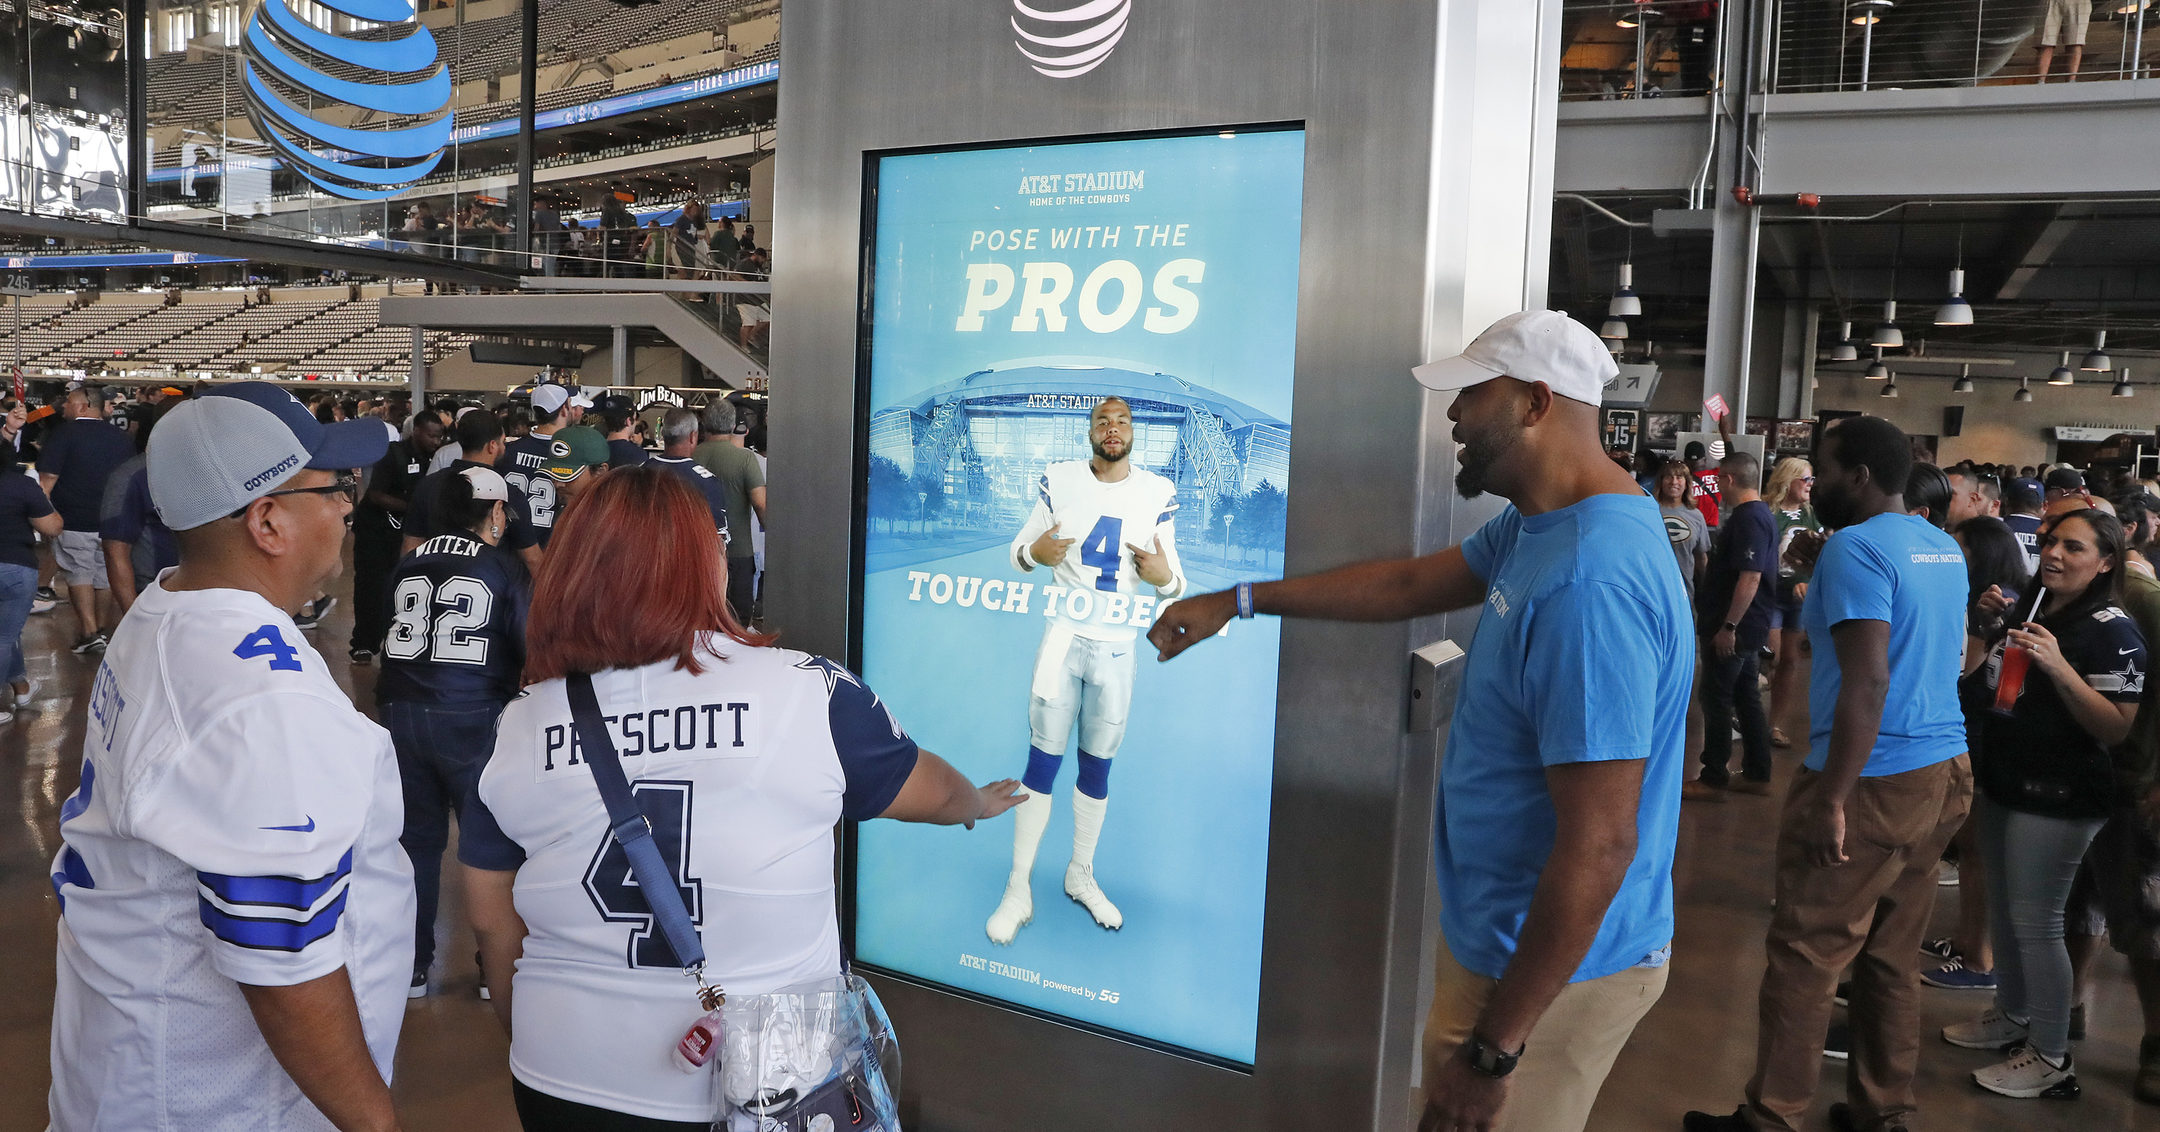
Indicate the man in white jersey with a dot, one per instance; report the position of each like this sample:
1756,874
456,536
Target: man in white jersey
1105,528
236,913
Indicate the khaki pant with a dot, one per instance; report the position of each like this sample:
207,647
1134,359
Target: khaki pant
1869,912
1569,1052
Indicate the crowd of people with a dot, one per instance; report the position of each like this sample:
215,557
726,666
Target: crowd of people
694,244
248,855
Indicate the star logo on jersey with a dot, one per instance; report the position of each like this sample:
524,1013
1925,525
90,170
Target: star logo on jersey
309,827
836,674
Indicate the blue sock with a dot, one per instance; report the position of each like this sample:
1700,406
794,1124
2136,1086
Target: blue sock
1094,776
1042,770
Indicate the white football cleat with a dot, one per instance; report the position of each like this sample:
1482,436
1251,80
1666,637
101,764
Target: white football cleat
1013,912
1080,885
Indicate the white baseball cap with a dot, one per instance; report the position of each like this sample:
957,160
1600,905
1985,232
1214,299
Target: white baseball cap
550,398
487,483
1539,345
580,400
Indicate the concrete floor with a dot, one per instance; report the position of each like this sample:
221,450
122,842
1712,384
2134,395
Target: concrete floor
1695,1050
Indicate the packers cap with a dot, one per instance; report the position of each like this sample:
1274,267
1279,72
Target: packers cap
572,450
1537,345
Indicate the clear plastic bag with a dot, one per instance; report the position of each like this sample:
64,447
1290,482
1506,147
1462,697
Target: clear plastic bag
814,1057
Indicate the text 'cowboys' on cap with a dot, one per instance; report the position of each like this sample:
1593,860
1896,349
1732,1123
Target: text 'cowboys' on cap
1538,345
235,444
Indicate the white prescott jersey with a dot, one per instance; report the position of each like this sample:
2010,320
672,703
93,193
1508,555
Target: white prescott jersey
1104,598
743,771
237,823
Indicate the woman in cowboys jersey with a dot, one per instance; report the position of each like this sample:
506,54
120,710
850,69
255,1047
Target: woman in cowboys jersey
742,757
450,661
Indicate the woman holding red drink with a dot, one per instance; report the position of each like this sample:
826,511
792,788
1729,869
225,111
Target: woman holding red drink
2055,688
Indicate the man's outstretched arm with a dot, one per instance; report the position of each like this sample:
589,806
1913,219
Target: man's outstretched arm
1395,589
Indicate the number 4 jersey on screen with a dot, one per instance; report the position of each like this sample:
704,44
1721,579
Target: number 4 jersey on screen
1080,399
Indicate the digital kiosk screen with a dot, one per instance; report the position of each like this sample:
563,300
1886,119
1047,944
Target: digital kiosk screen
1081,354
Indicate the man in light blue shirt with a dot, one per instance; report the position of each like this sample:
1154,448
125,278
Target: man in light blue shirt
1560,789
1885,785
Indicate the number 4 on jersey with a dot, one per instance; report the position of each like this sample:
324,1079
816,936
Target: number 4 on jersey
614,890
1103,549
267,641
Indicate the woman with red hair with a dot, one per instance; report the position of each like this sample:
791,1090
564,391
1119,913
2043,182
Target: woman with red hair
743,758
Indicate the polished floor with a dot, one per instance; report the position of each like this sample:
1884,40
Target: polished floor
1694,1050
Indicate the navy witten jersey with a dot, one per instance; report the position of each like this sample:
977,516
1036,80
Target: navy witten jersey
701,481
457,624
520,465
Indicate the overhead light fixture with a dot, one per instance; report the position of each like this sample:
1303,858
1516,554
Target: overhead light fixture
1844,351
2122,386
1890,390
2132,7
2023,393
1876,370
2096,360
1964,383
1955,311
1625,302
1887,335
2063,374
1614,330
1866,12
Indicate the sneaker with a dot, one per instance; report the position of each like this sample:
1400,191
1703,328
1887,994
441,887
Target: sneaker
94,643
1700,791
1954,975
1837,1044
47,593
1843,1120
2148,1070
1843,995
419,985
43,605
24,698
1707,1122
1745,785
1015,909
1992,1030
361,656
2027,1075
1080,885
312,613
1946,874
1941,948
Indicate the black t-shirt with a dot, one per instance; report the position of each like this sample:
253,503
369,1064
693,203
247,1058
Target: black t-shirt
1746,540
704,483
626,454
2038,758
420,520
395,475
82,454
457,624
20,502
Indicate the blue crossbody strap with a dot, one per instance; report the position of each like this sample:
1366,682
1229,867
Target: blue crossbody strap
632,829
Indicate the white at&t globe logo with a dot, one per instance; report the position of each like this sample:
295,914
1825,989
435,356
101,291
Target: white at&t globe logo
1063,42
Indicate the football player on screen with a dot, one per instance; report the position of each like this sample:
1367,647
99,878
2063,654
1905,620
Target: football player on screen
1104,528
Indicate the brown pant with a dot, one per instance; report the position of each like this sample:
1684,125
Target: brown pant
1570,1049
1870,912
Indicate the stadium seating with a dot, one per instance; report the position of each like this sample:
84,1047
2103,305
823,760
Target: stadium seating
307,330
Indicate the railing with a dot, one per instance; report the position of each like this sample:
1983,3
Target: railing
1842,45
1618,49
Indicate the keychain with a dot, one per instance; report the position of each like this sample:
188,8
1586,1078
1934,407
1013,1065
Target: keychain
706,1035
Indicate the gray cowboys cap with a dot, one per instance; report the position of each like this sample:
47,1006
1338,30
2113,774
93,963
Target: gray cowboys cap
216,454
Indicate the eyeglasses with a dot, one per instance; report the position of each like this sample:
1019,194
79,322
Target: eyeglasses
347,485
1807,479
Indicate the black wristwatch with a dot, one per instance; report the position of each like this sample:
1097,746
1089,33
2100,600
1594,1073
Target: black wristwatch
1731,627
1489,1059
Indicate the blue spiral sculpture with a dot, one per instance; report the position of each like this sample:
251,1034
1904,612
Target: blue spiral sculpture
285,73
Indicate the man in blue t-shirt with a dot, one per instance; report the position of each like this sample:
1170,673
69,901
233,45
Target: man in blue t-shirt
1885,785
1560,793
72,468
1733,616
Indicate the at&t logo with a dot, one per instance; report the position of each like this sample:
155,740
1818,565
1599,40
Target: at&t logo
1063,42
300,80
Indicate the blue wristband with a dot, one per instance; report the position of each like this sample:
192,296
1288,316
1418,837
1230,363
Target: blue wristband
1244,600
